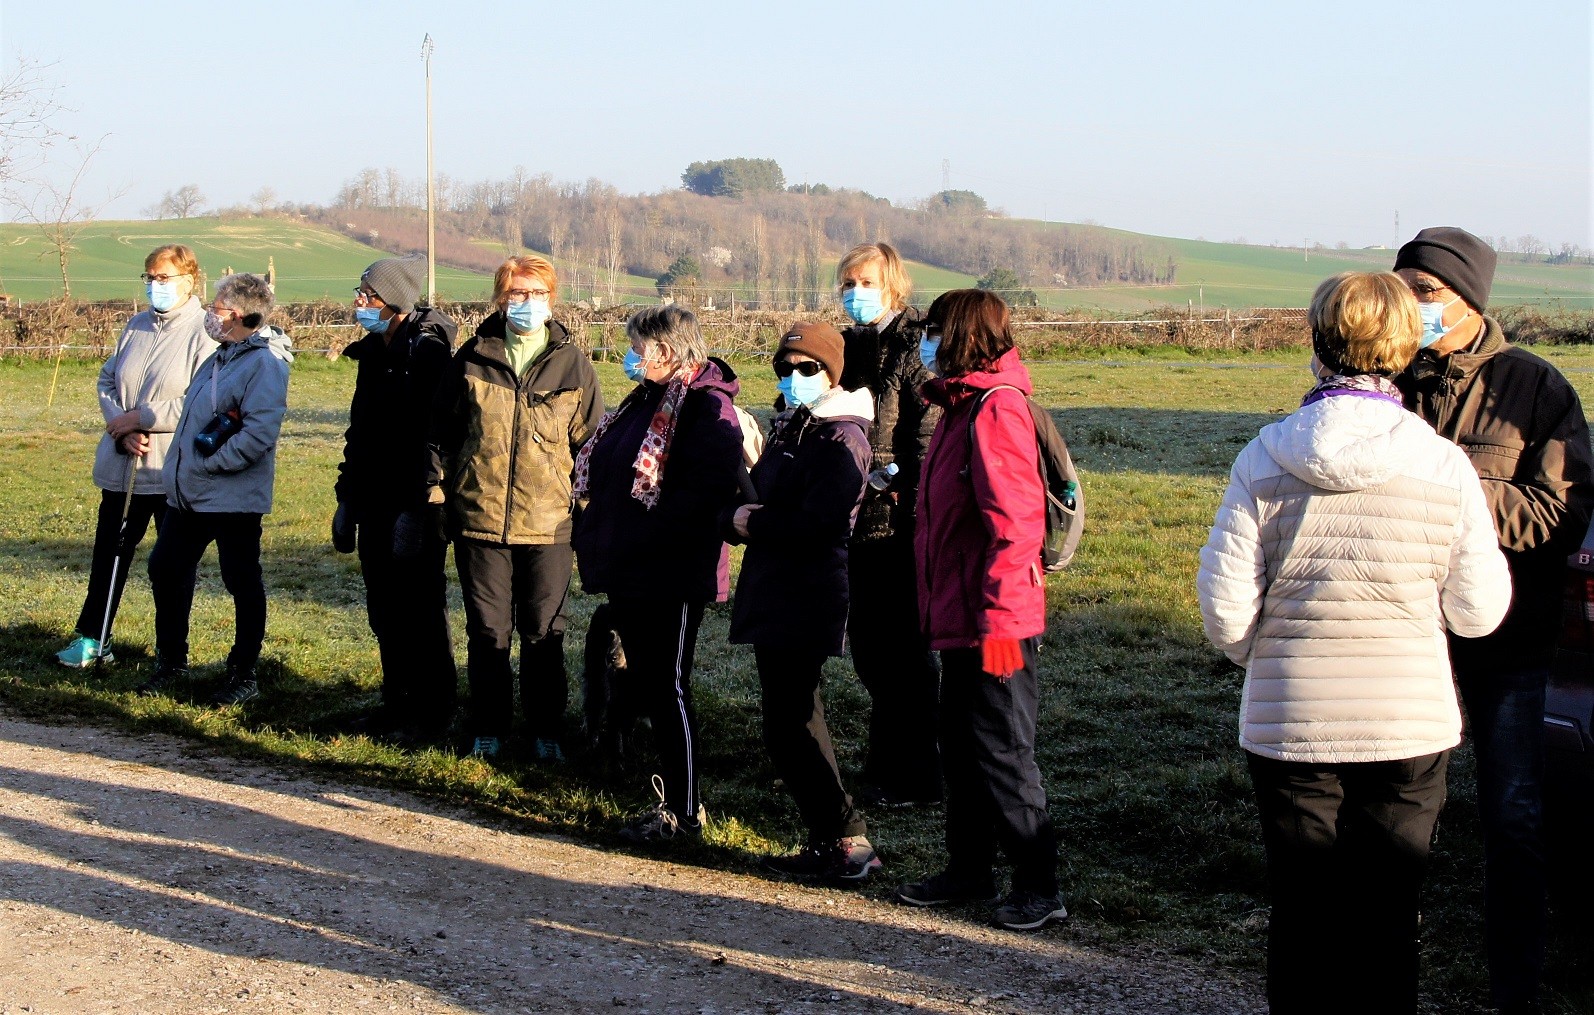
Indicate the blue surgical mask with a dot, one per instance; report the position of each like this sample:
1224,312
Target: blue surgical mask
528,316
1433,328
371,319
930,353
800,390
862,305
162,295
632,365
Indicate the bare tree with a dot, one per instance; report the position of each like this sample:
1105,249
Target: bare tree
263,200
61,215
613,232
27,104
181,203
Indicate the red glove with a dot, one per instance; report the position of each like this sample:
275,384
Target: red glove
1000,657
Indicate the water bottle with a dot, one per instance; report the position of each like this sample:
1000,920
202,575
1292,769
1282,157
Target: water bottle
880,479
1070,494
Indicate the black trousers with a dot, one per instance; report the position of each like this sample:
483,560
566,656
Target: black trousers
1347,846
660,639
893,660
174,569
108,549
406,602
510,589
799,743
993,785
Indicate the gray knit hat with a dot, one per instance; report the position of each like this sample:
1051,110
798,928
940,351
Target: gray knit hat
1457,258
397,280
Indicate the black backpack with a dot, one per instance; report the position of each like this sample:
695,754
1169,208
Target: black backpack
1065,497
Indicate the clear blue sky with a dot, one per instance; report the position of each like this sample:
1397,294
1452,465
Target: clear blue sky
1277,122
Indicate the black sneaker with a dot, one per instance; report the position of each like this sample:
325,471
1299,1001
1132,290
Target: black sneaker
848,860
944,888
1028,911
166,677
240,687
661,824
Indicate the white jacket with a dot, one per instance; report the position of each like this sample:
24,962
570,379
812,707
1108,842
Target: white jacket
1351,534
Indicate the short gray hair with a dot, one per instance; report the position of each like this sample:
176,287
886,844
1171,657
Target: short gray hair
248,294
673,328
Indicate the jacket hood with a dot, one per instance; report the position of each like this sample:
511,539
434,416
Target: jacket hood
268,337
838,401
716,375
1009,369
1347,442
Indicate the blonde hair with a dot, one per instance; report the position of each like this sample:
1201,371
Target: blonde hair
1365,322
896,286
538,268
177,253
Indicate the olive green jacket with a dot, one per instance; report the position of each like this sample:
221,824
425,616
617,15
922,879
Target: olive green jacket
503,447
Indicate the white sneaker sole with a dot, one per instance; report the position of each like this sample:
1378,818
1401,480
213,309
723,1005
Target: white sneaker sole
1060,913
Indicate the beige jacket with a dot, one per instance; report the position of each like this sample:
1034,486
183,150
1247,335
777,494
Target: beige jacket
1350,536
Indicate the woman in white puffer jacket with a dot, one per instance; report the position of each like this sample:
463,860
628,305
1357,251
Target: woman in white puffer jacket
1351,535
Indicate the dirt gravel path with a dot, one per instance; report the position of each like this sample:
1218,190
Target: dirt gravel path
141,874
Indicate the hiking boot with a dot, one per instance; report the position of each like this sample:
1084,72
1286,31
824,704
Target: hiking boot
661,824
239,687
548,751
945,888
485,748
166,677
1028,911
845,860
83,652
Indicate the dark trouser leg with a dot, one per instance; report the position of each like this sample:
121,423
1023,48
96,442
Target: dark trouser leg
993,740
1347,846
486,580
173,570
238,552
406,602
542,591
1505,717
893,660
599,684
799,743
108,550
660,639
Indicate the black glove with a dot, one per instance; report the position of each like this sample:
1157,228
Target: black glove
343,529
409,531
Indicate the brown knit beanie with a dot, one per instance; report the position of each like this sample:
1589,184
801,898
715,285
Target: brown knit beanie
1457,258
816,340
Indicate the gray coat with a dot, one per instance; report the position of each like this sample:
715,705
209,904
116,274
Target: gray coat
251,379
155,358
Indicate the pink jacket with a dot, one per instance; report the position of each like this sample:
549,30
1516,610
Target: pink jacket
981,513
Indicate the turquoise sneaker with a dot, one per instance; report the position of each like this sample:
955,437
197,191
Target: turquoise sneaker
83,652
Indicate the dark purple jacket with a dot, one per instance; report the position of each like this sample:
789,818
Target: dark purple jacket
673,551
792,590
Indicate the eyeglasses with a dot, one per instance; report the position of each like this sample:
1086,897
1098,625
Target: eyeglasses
1427,292
808,368
365,297
522,295
163,279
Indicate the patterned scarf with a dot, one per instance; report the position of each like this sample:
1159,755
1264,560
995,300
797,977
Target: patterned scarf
1364,385
654,453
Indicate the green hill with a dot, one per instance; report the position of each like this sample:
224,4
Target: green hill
313,261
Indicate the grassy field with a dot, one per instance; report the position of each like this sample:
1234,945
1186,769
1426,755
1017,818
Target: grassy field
1137,744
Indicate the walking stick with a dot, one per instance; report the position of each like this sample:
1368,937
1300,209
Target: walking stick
116,562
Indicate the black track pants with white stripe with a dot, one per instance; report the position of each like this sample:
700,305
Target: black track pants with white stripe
660,638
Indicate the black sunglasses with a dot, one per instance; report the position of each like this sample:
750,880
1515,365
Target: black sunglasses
808,368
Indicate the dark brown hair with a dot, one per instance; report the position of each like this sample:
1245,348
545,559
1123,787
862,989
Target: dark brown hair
975,328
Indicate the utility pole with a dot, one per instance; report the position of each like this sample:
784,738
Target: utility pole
431,214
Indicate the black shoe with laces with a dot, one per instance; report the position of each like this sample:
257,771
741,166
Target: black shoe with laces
1028,911
239,687
945,888
166,677
848,860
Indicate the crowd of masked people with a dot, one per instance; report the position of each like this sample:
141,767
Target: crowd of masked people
1384,558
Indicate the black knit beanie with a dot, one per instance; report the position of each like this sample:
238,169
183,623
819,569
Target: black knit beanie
397,280
1457,258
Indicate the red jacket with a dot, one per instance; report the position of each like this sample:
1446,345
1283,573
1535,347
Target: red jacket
981,513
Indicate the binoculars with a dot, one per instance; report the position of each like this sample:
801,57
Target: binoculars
217,432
